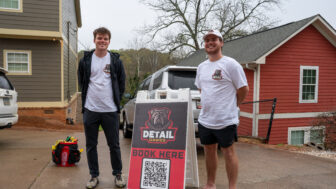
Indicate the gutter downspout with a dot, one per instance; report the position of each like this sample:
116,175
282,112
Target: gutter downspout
68,52
68,120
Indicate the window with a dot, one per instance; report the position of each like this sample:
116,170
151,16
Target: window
308,84
297,137
316,136
182,79
9,5
140,86
146,83
157,80
4,83
303,135
18,62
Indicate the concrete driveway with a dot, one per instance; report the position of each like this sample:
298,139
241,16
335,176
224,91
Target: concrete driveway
25,162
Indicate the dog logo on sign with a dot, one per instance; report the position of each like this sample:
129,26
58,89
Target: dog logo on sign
158,128
159,119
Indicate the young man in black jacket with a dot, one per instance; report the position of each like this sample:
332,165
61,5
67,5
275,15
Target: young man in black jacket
101,77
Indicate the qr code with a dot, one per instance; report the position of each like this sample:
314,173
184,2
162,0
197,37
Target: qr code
155,173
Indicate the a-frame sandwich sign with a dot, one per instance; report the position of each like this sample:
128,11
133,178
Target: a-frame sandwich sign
163,153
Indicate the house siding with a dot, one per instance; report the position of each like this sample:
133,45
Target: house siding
44,84
245,124
280,78
36,15
250,81
71,66
279,131
69,15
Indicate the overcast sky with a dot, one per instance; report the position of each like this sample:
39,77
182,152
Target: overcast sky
124,17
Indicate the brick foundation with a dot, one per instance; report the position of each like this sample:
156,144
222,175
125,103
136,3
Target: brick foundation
62,114
52,113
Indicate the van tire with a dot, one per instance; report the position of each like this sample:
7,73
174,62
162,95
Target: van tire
126,132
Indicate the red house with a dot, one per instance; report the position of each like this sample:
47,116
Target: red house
295,63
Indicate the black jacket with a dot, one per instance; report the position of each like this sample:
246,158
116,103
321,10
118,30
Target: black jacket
117,76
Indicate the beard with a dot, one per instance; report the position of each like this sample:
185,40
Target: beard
213,51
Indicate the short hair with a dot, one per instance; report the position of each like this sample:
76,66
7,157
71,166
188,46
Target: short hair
101,30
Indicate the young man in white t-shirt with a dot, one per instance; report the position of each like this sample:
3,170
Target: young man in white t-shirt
223,87
101,76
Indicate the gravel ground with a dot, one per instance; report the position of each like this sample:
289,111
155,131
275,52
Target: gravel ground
298,149
320,153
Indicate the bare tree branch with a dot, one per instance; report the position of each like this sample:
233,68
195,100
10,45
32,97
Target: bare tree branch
182,23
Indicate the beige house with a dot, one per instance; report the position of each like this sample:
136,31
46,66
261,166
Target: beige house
38,47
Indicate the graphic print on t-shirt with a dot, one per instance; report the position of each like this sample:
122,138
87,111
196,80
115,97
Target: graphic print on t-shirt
217,75
107,68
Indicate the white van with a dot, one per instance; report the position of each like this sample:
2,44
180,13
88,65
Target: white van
167,78
8,102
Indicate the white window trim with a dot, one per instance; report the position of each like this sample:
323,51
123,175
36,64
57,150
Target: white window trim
301,82
19,9
306,132
29,52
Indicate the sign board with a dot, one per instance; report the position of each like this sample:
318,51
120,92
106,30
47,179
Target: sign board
159,143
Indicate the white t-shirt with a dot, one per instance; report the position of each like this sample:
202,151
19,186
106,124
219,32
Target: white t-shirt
219,82
100,95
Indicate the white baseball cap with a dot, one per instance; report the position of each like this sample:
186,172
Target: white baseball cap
213,32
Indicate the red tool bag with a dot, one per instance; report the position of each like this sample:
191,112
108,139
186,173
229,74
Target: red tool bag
66,154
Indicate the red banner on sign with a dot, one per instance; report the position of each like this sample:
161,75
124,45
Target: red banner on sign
156,168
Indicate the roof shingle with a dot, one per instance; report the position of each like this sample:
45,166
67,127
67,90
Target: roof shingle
250,48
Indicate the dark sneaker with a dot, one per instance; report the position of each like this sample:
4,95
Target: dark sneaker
119,181
93,182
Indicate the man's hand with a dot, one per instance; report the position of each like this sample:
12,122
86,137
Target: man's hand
241,94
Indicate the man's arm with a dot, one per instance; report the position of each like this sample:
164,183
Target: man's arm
121,79
80,73
241,94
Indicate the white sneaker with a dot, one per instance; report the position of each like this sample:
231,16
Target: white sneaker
92,183
119,181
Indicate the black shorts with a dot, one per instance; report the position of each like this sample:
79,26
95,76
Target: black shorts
224,137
